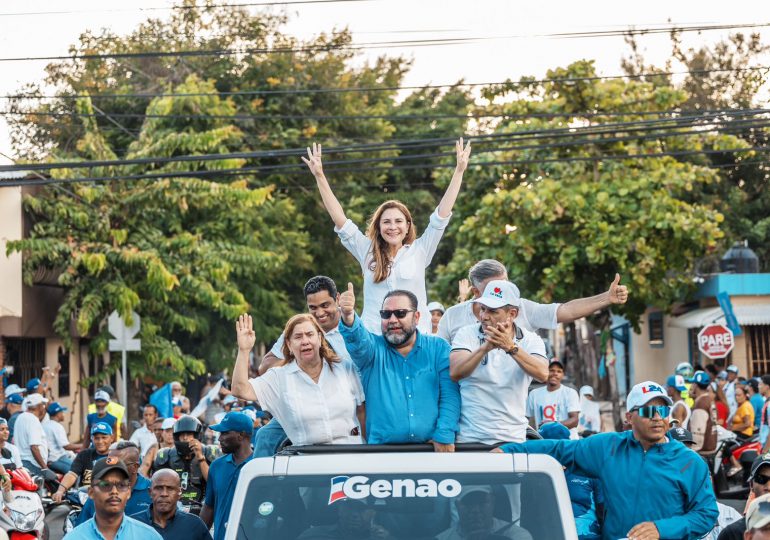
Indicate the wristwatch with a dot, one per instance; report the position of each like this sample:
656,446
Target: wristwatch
515,349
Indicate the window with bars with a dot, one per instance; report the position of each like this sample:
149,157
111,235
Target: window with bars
758,344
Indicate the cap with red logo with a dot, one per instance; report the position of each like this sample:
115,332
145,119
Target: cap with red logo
108,464
641,394
499,293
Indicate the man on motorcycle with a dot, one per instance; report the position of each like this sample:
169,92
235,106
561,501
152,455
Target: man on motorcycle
190,459
101,436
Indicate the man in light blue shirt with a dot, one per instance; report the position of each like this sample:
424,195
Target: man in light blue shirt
410,396
110,489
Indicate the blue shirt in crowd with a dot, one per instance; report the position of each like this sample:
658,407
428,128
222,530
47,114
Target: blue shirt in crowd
757,401
182,526
670,484
223,477
140,500
130,529
409,399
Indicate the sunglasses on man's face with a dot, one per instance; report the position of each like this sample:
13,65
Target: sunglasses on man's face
106,487
399,313
649,411
761,479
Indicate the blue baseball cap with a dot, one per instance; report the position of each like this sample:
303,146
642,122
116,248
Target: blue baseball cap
56,408
16,399
235,421
676,382
554,430
101,427
701,378
32,384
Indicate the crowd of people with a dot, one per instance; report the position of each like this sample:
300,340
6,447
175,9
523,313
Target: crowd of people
402,370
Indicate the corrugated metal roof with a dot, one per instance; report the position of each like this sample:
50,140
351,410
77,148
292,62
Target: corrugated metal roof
750,315
14,175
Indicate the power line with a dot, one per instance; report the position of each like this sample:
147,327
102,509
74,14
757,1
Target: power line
181,7
302,91
381,44
403,145
251,170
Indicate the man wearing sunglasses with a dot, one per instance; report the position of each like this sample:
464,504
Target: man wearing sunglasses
759,483
109,492
653,486
405,373
139,498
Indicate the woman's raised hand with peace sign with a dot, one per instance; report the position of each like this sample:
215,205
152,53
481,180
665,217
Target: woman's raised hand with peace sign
463,155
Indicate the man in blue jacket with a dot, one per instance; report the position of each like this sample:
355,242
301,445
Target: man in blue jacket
653,487
410,397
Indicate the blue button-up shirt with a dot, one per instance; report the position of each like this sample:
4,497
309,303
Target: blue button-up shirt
140,500
182,526
409,399
130,529
220,488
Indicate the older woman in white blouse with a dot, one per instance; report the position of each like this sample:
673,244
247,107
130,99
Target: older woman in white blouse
390,253
315,397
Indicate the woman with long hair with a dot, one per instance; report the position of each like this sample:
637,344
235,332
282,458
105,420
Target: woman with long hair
315,397
391,254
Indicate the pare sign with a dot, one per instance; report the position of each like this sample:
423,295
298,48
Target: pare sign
716,341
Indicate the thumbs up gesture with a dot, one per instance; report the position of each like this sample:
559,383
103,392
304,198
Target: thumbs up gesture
618,294
348,305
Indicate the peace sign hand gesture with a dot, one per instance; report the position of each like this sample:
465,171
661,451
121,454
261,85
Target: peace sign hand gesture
463,155
313,160
244,331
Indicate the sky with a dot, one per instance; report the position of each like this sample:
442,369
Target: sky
518,35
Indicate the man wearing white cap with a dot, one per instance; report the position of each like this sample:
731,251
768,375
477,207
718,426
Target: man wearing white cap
590,415
11,406
653,486
436,310
494,363
758,519
681,411
729,389
29,436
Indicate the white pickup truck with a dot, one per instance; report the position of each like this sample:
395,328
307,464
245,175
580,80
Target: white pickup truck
360,493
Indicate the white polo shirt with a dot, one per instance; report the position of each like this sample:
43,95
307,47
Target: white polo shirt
494,395
407,270
27,432
310,413
334,338
532,316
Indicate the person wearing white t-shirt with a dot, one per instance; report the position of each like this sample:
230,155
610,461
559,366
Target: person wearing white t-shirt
590,414
29,436
144,437
60,448
10,457
555,402
494,363
317,398
532,316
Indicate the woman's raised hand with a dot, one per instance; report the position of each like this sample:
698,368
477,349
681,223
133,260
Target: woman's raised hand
244,330
313,160
463,154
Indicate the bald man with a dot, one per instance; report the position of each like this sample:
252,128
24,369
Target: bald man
162,515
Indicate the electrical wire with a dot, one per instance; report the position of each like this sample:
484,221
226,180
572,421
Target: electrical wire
250,170
382,44
302,91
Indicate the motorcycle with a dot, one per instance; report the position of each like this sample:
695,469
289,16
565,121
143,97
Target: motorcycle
76,498
22,516
735,486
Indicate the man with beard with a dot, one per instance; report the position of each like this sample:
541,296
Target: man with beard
410,395
163,515
109,493
235,439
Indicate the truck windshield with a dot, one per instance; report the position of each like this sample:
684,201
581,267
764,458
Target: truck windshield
444,506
